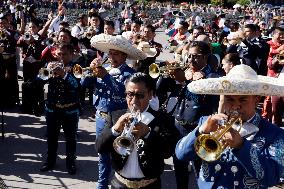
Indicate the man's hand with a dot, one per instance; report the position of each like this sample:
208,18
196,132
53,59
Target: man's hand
213,123
97,68
140,130
121,122
233,139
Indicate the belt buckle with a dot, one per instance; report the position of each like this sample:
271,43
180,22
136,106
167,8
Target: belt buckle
103,114
133,184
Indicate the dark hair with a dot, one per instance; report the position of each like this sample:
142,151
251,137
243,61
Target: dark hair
82,16
143,78
138,22
184,24
64,24
233,58
34,23
64,30
109,23
200,28
101,26
251,27
150,27
257,27
203,47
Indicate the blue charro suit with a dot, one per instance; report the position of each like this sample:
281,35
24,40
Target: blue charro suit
258,164
109,98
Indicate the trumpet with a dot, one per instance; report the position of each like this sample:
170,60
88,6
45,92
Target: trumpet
49,42
3,35
27,37
79,72
46,73
124,144
155,71
209,146
90,32
280,57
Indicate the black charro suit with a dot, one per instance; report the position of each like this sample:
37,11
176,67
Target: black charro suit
152,151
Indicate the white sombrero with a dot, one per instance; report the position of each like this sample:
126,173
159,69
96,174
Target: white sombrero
147,49
241,80
104,43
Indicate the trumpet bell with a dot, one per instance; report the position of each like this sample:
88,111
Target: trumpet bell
78,71
208,148
123,145
154,71
44,74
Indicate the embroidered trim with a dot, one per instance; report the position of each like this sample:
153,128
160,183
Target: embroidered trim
256,164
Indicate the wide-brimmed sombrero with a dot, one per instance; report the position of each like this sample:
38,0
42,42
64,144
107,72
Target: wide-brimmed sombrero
104,43
241,80
147,49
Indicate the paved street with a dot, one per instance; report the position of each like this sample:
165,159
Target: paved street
24,149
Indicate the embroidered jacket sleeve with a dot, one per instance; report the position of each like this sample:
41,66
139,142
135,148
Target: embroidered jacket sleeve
265,164
116,86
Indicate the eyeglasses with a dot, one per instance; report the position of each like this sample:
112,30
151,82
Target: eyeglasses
137,95
194,56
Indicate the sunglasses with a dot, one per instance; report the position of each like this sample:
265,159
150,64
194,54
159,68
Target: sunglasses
137,95
194,56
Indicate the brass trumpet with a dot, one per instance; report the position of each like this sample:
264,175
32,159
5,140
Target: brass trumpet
209,147
155,71
280,57
79,72
3,35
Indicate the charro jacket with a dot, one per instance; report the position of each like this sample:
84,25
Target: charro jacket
258,164
152,150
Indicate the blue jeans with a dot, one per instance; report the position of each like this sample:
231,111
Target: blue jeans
104,158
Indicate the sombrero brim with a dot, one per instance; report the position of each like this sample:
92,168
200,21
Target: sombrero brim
105,42
262,86
150,53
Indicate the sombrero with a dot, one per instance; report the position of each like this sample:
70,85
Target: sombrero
104,43
241,80
147,49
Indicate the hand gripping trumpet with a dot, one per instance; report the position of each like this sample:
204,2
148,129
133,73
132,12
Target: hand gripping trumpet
80,72
124,144
209,147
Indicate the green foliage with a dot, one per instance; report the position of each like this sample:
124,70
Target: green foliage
215,2
244,2
232,2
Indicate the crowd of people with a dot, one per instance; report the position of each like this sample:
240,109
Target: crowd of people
199,107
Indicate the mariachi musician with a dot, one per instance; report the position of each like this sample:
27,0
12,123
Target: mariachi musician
109,96
62,108
8,66
151,137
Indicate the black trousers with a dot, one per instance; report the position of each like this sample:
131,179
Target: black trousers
9,76
69,122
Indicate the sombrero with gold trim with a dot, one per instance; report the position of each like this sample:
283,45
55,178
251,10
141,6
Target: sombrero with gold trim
241,80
